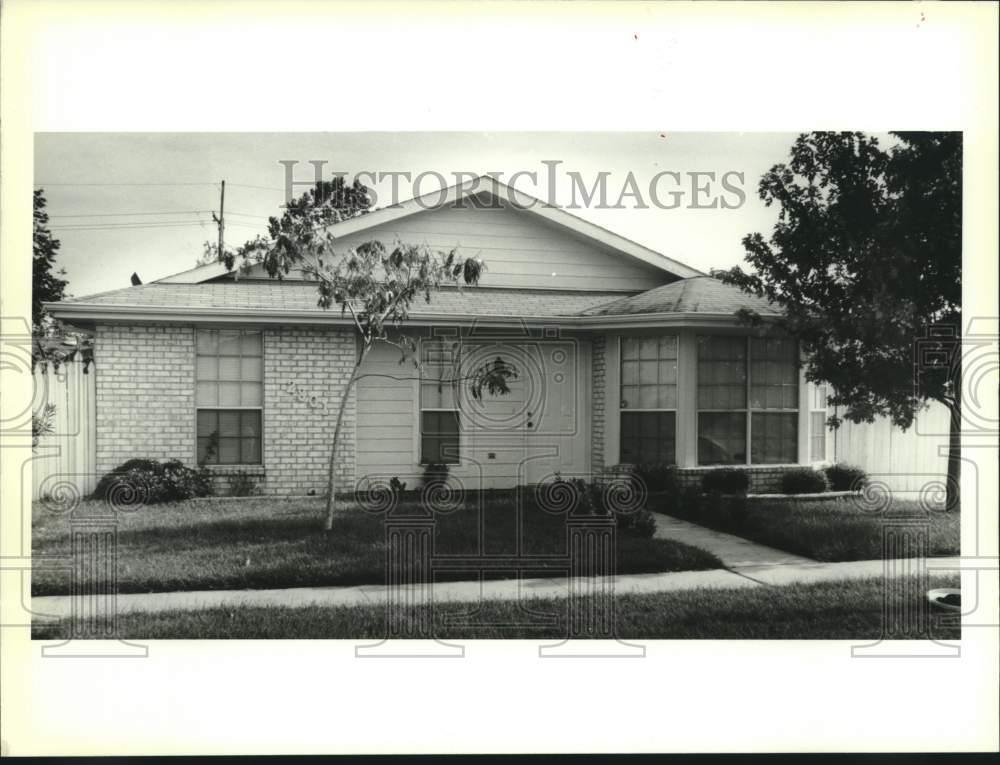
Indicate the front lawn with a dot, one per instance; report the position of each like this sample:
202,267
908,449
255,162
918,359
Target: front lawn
826,611
829,530
267,543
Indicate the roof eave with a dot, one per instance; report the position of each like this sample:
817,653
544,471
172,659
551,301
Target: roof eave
202,315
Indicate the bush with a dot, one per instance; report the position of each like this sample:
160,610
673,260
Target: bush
435,472
726,481
843,477
593,499
658,477
641,523
242,484
145,481
803,480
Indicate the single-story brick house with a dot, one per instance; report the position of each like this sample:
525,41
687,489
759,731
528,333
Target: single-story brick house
623,355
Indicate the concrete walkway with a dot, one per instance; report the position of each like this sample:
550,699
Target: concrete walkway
755,575
734,552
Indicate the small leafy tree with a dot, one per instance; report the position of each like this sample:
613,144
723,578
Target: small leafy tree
866,257
46,284
374,285
42,423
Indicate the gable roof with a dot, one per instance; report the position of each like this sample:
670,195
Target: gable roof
697,295
698,300
300,297
483,185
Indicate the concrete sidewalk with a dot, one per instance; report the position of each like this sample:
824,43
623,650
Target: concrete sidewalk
755,575
734,552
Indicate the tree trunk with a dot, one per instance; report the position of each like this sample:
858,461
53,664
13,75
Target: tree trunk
953,492
331,501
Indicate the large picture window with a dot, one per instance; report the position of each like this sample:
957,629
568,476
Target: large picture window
229,395
439,426
649,399
747,401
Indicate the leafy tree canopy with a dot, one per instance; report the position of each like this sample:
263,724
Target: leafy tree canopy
46,284
864,260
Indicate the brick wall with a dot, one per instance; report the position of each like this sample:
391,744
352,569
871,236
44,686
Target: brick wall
763,479
145,393
299,420
146,405
598,387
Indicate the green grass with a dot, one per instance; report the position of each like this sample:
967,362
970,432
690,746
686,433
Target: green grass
831,530
829,610
264,543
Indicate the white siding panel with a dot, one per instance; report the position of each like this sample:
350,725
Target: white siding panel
908,462
520,249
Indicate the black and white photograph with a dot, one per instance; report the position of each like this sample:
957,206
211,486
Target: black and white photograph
417,392
412,407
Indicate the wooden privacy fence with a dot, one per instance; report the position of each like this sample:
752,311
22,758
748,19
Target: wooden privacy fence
64,459
905,461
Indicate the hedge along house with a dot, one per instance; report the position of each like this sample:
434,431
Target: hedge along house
623,356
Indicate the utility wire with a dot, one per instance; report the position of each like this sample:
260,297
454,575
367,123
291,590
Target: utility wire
128,227
88,183
116,215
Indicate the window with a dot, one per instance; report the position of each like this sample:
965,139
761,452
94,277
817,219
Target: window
722,400
748,391
229,370
774,401
817,424
649,399
439,427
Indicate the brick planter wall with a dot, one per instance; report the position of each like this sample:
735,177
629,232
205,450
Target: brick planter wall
763,479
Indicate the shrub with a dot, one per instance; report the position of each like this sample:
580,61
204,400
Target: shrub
435,472
803,480
843,477
242,484
658,477
641,523
145,481
396,486
726,481
593,499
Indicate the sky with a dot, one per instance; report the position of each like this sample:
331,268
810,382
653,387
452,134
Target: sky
142,202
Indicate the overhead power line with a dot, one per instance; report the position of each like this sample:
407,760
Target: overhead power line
159,183
116,215
130,226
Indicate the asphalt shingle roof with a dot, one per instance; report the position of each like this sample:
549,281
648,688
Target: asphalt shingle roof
698,294
292,296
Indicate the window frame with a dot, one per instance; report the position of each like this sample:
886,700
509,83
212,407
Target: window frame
748,410
639,409
456,409
218,410
814,409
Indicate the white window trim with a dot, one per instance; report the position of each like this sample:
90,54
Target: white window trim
457,409
749,411
620,385
230,466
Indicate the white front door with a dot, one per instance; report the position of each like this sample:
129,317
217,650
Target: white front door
536,430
